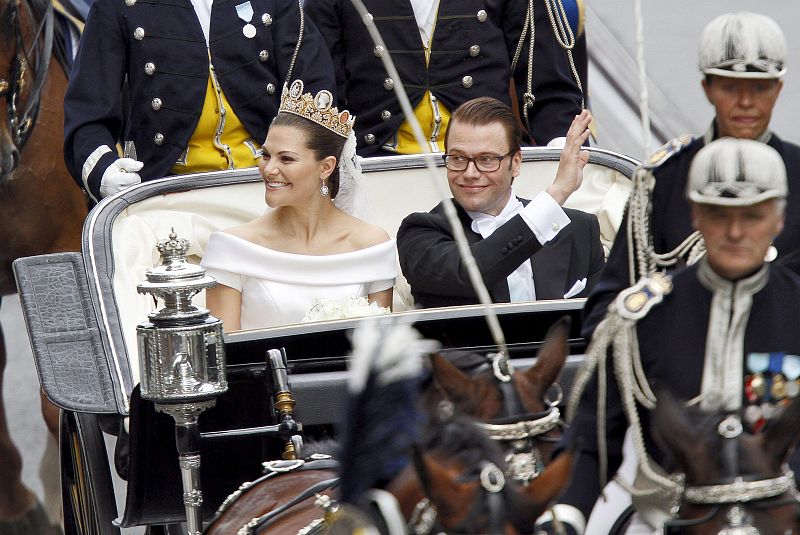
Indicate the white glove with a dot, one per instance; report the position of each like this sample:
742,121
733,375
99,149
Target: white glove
119,176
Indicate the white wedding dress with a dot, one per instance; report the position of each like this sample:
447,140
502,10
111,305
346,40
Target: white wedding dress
280,288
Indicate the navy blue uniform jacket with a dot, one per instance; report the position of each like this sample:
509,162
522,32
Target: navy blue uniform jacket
475,39
250,71
671,223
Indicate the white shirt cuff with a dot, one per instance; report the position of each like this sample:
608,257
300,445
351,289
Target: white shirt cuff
545,217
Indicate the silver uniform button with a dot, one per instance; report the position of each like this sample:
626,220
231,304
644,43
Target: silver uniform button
263,55
467,81
271,89
156,103
481,16
266,18
386,115
129,3
388,84
367,18
370,139
158,139
474,50
149,68
378,51
138,33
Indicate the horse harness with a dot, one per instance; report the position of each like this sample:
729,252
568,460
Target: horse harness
275,469
38,54
517,430
734,491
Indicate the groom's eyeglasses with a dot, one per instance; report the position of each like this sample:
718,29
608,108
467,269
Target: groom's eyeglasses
487,164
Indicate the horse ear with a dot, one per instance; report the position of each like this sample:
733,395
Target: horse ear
552,355
456,384
674,432
782,435
545,489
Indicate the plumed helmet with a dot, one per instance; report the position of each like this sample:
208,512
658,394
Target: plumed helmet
743,45
736,172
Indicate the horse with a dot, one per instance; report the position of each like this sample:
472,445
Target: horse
514,410
454,482
41,207
733,481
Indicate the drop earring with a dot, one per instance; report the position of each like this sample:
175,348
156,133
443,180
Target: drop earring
323,190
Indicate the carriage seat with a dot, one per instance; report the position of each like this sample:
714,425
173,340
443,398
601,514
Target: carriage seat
395,188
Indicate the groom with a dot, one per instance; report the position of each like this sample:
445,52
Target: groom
525,250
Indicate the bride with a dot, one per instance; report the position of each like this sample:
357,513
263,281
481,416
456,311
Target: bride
309,246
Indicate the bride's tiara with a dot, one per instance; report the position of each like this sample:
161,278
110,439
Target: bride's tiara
317,108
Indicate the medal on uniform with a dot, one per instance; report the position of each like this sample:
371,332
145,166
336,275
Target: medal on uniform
758,363
791,370
245,12
778,388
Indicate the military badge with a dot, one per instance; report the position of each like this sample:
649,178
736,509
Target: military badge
772,381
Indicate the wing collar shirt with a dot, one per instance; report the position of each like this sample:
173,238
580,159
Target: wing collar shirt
425,13
544,217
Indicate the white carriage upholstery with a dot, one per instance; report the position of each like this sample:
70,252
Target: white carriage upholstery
393,194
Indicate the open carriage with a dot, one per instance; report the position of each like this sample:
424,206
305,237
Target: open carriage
82,310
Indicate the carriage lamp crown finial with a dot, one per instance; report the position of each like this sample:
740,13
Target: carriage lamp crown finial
173,247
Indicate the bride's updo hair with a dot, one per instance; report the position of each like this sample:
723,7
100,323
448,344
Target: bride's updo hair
321,141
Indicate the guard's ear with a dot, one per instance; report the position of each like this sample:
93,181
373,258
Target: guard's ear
782,434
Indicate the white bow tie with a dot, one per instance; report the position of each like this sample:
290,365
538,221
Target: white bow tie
485,226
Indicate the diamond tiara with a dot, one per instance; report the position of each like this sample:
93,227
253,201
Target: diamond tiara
317,108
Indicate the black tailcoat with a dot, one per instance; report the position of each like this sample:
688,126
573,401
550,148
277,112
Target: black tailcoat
432,264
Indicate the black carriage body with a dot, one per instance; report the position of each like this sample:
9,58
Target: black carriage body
81,310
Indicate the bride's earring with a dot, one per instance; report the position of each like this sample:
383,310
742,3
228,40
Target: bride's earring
323,190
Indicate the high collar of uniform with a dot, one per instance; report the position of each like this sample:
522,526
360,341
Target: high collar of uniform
715,283
713,133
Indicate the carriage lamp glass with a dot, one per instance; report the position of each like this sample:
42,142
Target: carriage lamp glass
181,353
182,360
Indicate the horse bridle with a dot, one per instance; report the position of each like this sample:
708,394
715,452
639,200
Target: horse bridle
734,491
20,124
519,431
490,498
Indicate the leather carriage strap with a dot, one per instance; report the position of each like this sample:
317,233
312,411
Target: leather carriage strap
266,519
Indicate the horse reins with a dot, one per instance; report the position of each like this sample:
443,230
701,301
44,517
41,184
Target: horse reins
39,55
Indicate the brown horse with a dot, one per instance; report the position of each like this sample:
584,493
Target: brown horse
41,207
454,485
735,482
455,481
516,413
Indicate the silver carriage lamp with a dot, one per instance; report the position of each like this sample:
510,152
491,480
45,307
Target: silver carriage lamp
182,360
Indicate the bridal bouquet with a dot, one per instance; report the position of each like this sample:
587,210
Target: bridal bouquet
347,307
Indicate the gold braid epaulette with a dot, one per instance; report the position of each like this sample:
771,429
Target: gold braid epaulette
667,151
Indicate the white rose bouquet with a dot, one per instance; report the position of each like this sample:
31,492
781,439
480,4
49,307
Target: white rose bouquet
338,309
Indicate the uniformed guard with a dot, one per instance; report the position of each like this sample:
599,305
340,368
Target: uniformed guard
447,53
203,83
743,58
717,334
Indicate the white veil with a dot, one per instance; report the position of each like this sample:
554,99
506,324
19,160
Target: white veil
352,195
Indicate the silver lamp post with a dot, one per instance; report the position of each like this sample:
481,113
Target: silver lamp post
182,360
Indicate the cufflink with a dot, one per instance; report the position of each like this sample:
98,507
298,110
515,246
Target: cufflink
555,226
